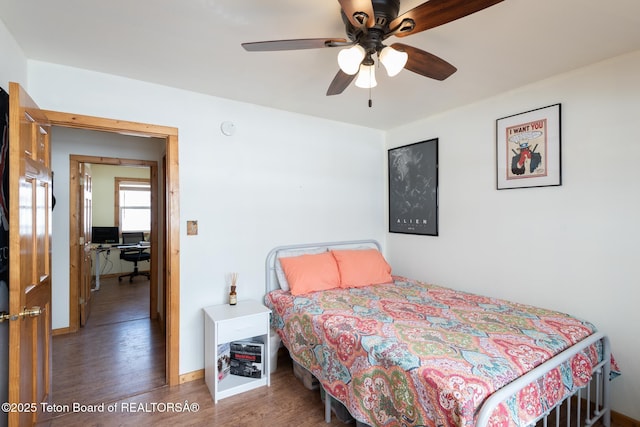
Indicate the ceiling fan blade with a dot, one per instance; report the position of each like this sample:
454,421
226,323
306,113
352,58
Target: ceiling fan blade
340,83
437,12
351,9
294,44
425,63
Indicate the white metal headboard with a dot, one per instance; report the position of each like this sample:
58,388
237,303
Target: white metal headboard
271,280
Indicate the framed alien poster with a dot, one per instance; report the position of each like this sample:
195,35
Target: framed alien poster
413,188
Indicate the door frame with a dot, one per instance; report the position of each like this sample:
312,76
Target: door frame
171,247
75,244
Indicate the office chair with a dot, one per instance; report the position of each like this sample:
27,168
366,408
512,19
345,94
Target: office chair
134,255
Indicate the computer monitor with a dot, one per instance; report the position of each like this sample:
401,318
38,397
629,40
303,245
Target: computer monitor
132,237
101,235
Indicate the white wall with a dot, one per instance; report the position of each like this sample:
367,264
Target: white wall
103,186
282,178
13,66
573,248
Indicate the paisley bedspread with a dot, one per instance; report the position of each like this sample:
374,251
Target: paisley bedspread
414,354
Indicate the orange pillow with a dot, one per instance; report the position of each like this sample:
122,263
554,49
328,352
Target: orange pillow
310,273
362,267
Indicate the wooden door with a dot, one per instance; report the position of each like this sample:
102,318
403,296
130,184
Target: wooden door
86,212
29,257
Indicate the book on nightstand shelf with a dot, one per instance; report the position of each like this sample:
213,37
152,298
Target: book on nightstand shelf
247,358
224,360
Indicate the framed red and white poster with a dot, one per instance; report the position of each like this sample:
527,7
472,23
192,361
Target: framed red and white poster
528,149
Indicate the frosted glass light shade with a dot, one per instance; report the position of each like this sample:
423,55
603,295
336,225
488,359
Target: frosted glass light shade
393,60
366,77
349,59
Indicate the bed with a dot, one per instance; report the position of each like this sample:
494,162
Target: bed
399,352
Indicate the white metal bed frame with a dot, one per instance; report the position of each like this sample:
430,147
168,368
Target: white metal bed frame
598,403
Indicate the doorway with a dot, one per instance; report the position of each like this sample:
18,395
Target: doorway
104,207
168,245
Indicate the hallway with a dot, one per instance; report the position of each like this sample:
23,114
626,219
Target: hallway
119,353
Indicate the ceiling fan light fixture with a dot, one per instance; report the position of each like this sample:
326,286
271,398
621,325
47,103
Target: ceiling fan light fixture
366,77
349,59
393,60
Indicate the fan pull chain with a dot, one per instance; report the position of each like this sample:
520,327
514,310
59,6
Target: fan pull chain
370,101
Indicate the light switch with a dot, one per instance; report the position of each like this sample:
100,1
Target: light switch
192,228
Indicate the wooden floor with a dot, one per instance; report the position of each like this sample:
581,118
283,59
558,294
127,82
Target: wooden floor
118,360
119,353
116,366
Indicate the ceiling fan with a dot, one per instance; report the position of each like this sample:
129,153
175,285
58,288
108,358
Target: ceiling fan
368,24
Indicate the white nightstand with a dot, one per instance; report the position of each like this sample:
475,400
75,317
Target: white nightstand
225,323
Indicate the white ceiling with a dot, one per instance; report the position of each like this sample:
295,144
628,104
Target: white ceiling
195,45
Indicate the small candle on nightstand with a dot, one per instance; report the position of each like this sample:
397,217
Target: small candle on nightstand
233,297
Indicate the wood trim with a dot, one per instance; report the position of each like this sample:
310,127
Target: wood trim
60,331
153,238
617,419
172,231
74,246
623,421
116,204
112,275
113,161
172,251
192,376
109,125
163,225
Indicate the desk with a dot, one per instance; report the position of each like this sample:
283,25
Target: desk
99,250
106,248
141,246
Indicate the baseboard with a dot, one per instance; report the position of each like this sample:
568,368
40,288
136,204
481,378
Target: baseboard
617,419
61,331
108,276
114,275
192,376
623,421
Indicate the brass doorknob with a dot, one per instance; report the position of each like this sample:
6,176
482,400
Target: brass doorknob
26,312
31,312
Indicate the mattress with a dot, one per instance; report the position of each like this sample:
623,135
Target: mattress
412,354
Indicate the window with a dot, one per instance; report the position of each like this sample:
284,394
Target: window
133,204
